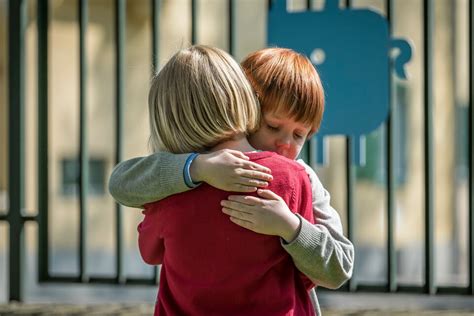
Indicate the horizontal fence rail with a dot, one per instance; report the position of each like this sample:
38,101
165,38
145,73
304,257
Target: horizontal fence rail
16,151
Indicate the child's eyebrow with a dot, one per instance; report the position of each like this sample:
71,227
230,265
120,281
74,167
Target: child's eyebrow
278,117
303,131
275,118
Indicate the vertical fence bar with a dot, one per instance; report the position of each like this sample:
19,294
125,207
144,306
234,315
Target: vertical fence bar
83,152
311,145
120,28
350,182
43,179
471,147
309,148
231,21
155,31
193,22
428,145
155,26
391,254
16,144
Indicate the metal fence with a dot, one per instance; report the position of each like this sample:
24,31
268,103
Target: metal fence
16,219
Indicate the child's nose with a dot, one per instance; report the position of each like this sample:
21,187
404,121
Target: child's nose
284,148
283,142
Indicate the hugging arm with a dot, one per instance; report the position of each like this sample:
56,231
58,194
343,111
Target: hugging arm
143,180
269,214
302,204
321,250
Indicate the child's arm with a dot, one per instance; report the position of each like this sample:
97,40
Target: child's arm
270,215
143,180
321,250
267,215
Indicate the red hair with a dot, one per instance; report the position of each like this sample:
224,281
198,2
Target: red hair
286,82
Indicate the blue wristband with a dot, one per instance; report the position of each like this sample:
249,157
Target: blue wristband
187,176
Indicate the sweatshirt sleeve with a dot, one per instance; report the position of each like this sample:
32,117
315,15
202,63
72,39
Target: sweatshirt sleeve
321,251
143,180
301,203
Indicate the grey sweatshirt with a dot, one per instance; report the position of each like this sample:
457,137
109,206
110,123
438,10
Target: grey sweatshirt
320,251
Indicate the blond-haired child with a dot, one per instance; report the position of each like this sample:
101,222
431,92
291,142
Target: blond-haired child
201,101
292,102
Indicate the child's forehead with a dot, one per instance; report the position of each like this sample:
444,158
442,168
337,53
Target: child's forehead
283,116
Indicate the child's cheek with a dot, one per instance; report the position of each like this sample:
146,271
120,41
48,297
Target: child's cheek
295,153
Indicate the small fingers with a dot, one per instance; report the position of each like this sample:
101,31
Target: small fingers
268,194
238,154
245,199
254,174
253,182
249,165
236,214
236,205
237,187
242,223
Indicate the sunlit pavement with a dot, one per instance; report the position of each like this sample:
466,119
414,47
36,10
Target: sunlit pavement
60,309
333,304
147,309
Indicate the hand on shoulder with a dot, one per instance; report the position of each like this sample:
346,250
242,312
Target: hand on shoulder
230,170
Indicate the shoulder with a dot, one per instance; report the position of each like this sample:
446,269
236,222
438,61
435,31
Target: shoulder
318,188
311,173
287,172
313,178
274,160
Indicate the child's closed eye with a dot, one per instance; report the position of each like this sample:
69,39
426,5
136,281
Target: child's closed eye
273,128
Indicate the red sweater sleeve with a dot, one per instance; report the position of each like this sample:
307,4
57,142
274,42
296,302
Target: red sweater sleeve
150,242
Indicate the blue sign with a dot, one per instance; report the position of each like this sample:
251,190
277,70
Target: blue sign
351,51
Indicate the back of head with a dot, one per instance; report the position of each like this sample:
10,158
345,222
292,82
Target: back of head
286,82
200,98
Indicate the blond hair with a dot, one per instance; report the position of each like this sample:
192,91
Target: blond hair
286,82
200,98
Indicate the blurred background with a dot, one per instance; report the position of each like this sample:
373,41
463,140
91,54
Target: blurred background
368,192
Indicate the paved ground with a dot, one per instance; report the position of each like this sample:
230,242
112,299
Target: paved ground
60,309
144,309
138,300
101,299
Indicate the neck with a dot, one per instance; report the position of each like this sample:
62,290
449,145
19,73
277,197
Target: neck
239,143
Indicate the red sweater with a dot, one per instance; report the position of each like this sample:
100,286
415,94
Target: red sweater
212,266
